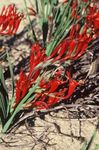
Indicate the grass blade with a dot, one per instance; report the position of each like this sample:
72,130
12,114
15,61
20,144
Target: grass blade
88,145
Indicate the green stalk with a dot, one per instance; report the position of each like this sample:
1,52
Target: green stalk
58,39
11,73
33,33
86,145
19,106
58,34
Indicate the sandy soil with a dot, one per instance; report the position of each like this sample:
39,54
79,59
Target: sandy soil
52,133
19,3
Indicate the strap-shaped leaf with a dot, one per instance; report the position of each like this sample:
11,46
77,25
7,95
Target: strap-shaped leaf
59,38
3,104
54,2
20,105
63,28
2,79
4,101
33,33
2,107
11,73
45,30
12,83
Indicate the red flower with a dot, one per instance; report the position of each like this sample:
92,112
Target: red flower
10,20
53,92
40,104
71,86
25,81
85,0
37,56
22,86
93,18
72,47
96,21
50,94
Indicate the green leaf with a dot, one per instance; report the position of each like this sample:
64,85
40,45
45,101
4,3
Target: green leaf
45,30
62,29
2,79
12,82
11,73
54,2
3,108
58,39
86,145
40,9
4,101
96,147
28,16
19,106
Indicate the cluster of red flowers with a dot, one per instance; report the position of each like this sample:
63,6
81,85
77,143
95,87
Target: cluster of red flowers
52,93
51,90
93,20
10,20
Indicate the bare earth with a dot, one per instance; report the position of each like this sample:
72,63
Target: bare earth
55,132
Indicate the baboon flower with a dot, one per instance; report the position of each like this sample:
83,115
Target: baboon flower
22,86
93,18
37,56
24,82
10,20
52,94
